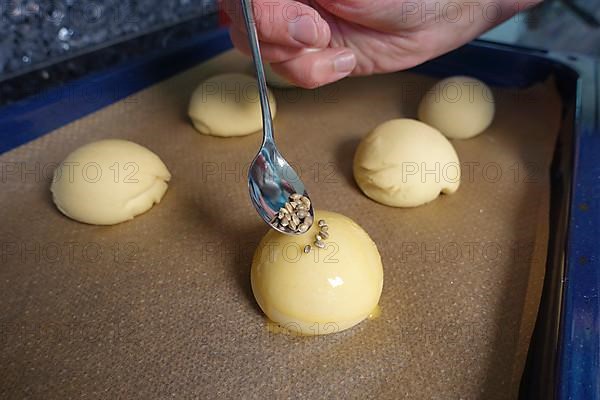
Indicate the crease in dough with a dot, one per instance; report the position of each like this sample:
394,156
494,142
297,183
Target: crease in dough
116,194
404,163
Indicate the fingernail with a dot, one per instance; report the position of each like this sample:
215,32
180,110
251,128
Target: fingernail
304,30
344,62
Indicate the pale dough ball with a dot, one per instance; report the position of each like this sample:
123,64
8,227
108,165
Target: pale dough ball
228,105
406,163
460,107
108,182
325,291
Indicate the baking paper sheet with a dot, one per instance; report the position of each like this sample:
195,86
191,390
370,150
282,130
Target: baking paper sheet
161,307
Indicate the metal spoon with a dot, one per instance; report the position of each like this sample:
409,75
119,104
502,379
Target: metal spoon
271,179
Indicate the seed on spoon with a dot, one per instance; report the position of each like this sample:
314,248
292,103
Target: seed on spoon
302,227
302,214
294,215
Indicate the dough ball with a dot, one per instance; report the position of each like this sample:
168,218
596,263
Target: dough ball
460,107
228,105
325,291
108,182
406,163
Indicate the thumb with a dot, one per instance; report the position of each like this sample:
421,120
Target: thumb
318,67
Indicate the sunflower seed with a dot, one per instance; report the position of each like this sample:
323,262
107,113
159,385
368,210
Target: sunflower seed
293,225
318,238
289,207
302,227
296,196
305,200
307,248
295,219
320,244
322,223
324,228
302,214
285,221
324,235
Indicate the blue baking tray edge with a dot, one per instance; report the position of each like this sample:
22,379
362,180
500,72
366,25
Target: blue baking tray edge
579,344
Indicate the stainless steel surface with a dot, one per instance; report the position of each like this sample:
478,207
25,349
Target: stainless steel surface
271,179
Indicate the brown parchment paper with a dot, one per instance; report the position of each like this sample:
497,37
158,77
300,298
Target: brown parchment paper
160,307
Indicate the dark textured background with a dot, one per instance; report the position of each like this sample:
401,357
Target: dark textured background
34,32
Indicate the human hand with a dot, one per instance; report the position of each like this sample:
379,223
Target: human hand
315,42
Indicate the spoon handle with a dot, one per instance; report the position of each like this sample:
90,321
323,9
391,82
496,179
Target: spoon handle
260,71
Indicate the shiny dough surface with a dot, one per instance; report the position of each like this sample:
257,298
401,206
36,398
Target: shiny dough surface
325,291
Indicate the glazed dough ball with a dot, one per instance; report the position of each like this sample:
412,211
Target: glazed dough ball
325,291
228,105
406,163
108,182
460,107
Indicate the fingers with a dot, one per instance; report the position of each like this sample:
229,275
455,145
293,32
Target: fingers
294,39
283,22
317,68
381,15
270,52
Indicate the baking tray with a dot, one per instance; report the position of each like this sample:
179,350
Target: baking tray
563,356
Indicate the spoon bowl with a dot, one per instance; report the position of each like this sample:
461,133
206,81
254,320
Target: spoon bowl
271,181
